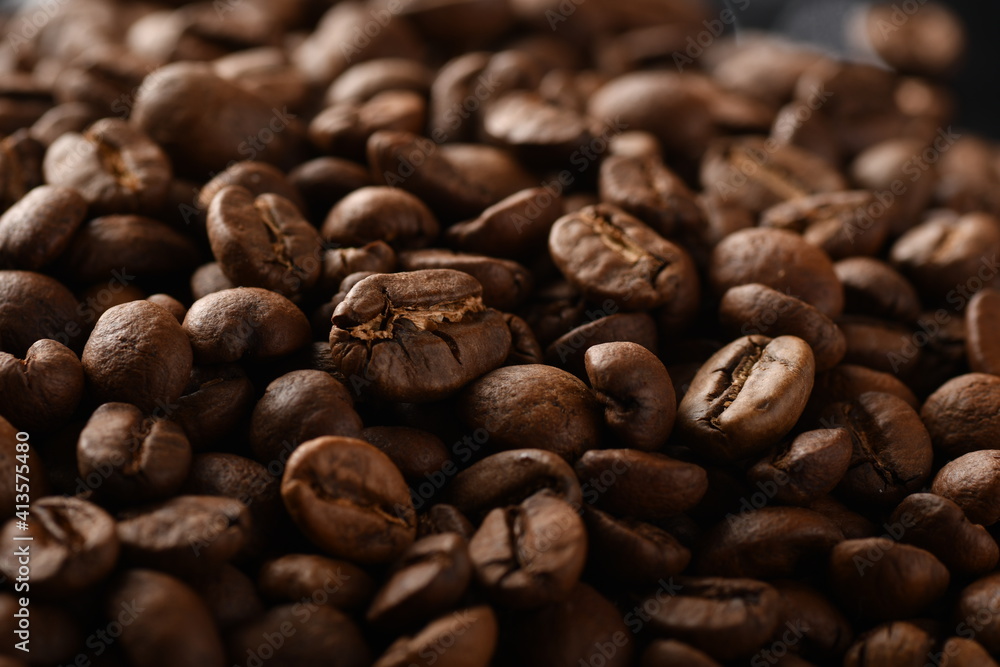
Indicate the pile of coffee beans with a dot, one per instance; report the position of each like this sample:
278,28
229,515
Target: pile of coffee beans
511,333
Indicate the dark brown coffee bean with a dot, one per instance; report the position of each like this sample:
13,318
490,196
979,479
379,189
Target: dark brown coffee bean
348,498
726,618
806,467
633,551
41,391
418,454
391,327
879,344
266,72
10,448
636,392
747,396
780,260
73,545
889,162
853,525
465,638
972,481
381,214
208,279
429,578
975,609
962,652
344,127
230,596
324,181
443,518
243,322
898,643
293,577
34,306
56,634
767,543
847,381
641,485
982,320
533,406
263,241
759,309
505,282
138,353
132,457
300,406
963,415
256,177
608,254
892,452
338,263
880,579
531,554
932,43
37,229
169,304
365,80
214,404
843,224
823,629
524,347
187,534
568,351
516,226
646,188
535,129
199,142
668,652
114,165
939,526
509,478
174,626
63,118
872,287
323,635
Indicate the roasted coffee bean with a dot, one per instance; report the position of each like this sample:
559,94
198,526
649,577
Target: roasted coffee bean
780,260
230,595
607,254
348,498
258,178
266,71
293,577
931,44
879,166
338,263
767,543
324,181
510,477
208,279
641,485
516,226
73,545
847,381
535,129
391,327
646,188
63,118
892,453
186,534
131,457
169,304
214,404
55,630
471,636
322,635
343,128
175,626
879,344
263,241
243,322
726,618
972,481
747,396
853,525
938,525
364,81
872,287
10,448
381,214
533,406
300,406
963,415
822,628
569,350
442,518
531,554
897,643
429,578
138,353
962,652
524,347
41,391
982,320
636,392
843,224
419,455
633,551
759,309
34,306
880,579
505,282
975,605
667,652
805,467
38,228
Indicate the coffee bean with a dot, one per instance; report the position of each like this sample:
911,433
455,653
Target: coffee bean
324,181
138,353
879,344
509,478
931,44
880,579
10,448
631,550
36,230
972,481
535,129
292,577
230,596
174,627
524,347
665,652
846,382
34,306
442,518
73,545
41,391
419,455
322,635
391,327
974,605
243,322
982,318
338,263
939,526
134,457
55,629
823,629
646,188
513,227
608,254
533,406
169,304
348,498
877,167
853,525
343,128
464,638
843,224
872,287
805,467
897,643
214,403
759,309
568,351
962,415
747,396
505,282
258,178
531,554
959,651
381,214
